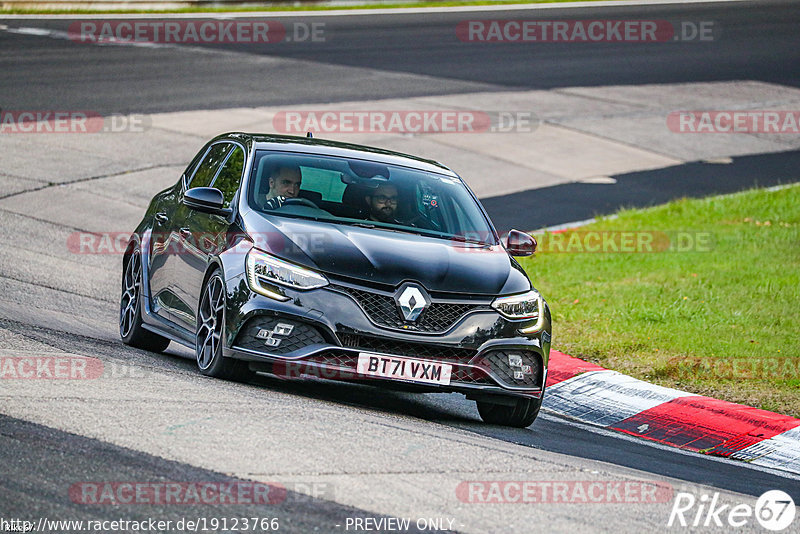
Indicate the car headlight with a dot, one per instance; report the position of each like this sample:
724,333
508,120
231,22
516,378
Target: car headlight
265,270
528,305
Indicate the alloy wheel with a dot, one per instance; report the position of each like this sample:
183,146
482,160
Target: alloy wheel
212,317
131,291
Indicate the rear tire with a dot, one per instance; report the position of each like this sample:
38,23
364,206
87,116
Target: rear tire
130,309
210,335
520,415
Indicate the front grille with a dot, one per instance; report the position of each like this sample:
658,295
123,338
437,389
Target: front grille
497,362
382,310
407,348
330,364
469,375
301,336
335,358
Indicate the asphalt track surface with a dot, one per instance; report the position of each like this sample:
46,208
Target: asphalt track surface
122,437
40,463
40,490
395,56
565,203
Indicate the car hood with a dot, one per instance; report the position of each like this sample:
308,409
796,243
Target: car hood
387,257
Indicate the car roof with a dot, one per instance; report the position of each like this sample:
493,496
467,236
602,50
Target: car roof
308,145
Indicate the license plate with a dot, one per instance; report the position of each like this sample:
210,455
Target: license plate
404,368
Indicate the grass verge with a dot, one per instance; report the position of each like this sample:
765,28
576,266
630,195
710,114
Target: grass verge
713,308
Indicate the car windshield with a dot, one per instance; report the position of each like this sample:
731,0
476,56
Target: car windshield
364,193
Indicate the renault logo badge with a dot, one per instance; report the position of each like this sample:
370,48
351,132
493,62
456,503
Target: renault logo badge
411,300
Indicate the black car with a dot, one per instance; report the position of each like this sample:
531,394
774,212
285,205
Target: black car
303,257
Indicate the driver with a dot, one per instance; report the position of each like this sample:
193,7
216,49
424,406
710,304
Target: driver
382,203
284,182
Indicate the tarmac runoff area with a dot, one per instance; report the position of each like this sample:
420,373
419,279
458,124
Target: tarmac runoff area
501,143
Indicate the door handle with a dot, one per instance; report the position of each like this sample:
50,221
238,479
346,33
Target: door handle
161,217
185,232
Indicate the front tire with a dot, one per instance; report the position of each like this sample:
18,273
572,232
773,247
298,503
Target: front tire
520,415
210,335
130,309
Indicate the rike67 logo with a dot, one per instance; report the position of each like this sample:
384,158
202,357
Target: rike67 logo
774,510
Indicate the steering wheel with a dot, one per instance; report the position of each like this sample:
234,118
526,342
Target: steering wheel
299,202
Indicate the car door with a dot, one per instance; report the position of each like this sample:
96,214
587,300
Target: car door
208,237
184,247
162,239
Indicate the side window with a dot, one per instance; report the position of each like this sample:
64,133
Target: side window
208,167
230,176
187,174
327,183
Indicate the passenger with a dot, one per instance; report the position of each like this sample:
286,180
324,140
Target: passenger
382,203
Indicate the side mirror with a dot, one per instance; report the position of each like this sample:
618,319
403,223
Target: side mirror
520,244
206,199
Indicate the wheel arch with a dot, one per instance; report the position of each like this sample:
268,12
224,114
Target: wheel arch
133,242
214,264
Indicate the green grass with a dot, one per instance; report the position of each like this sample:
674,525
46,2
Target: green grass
276,6
724,322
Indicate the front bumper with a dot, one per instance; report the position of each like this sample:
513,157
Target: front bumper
331,326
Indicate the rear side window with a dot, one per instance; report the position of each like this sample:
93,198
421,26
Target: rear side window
208,167
230,176
326,183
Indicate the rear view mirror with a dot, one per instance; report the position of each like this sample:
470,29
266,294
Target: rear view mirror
520,244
